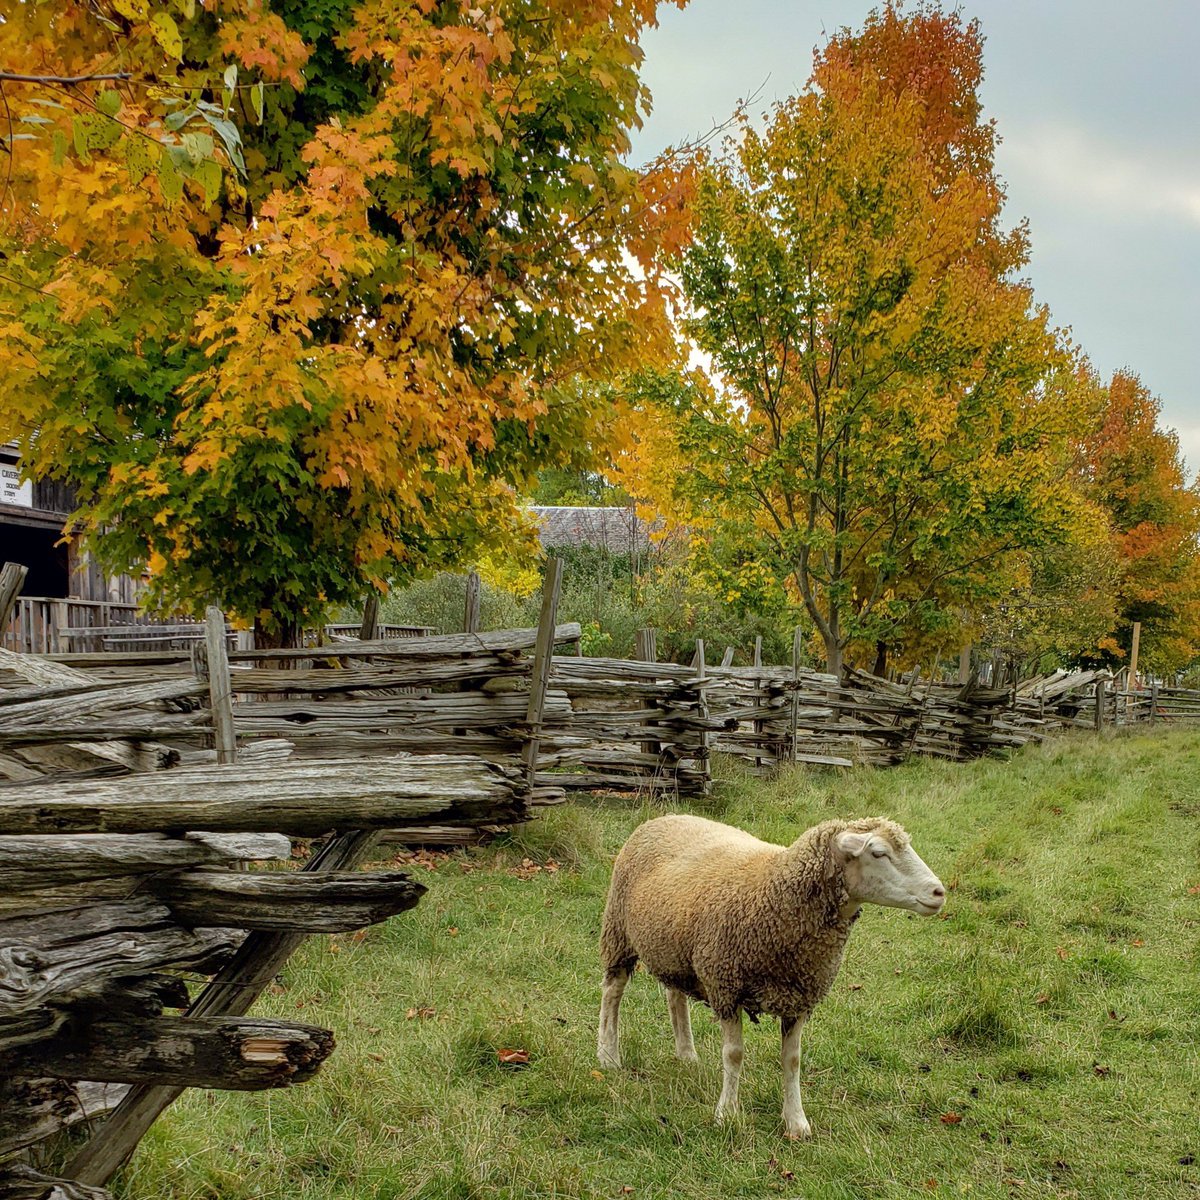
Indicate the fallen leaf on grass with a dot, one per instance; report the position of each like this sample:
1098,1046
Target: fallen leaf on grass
377,1057
626,1190
453,931
423,1013
513,1058
359,935
1097,1069
1042,998
856,987
950,1118
1137,942
931,1185
597,1074
1194,891
1062,952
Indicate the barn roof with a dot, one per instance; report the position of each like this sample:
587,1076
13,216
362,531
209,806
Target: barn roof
618,530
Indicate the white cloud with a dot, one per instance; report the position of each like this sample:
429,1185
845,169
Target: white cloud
1073,165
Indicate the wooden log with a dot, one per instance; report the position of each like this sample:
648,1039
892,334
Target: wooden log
287,900
499,642
64,710
257,961
53,957
32,1110
132,728
18,1182
38,670
307,798
240,1054
370,676
29,860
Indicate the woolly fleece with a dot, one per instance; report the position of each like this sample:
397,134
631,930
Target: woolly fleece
731,920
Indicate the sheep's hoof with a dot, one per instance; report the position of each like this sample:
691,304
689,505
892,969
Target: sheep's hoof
687,1056
610,1059
799,1133
727,1112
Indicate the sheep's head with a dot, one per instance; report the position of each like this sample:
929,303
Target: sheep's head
881,867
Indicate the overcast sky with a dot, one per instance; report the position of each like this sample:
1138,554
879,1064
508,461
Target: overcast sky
1097,103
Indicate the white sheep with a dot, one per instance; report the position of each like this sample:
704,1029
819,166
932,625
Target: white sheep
748,926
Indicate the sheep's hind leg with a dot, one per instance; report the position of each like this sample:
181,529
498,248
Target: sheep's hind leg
608,1048
681,1025
731,1062
795,1123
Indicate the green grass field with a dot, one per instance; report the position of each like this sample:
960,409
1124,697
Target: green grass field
1041,1039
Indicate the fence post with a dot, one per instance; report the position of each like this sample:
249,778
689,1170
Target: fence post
1100,689
796,644
543,661
211,662
471,610
702,713
1153,700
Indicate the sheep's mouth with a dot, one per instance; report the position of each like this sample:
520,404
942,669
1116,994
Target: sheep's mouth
931,908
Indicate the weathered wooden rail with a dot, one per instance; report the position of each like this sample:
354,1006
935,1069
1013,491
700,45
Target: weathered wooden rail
122,886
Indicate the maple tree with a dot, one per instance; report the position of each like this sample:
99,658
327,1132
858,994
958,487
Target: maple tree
889,412
1134,470
287,366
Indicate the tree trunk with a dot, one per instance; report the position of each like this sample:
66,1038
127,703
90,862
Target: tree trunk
879,670
833,654
284,635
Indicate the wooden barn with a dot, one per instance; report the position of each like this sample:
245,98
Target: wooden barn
64,588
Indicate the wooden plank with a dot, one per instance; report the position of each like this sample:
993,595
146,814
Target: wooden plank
332,902
32,860
231,1053
55,955
309,798
88,704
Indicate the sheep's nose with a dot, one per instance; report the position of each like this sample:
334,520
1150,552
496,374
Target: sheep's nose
939,891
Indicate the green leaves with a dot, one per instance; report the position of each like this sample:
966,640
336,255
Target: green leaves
166,34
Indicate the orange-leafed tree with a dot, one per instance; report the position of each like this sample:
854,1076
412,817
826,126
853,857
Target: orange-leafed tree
890,411
1134,470
300,298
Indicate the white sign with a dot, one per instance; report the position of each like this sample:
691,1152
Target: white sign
14,489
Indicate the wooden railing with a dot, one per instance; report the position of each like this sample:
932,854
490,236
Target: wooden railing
48,625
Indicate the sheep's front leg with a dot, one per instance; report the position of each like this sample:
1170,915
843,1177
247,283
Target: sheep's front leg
795,1123
731,1062
681,1025
608,1048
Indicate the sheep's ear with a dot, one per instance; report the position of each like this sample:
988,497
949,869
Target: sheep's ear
851,845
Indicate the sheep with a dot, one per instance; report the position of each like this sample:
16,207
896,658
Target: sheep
744,925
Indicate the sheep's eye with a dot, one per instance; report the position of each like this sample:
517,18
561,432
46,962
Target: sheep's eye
880,853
